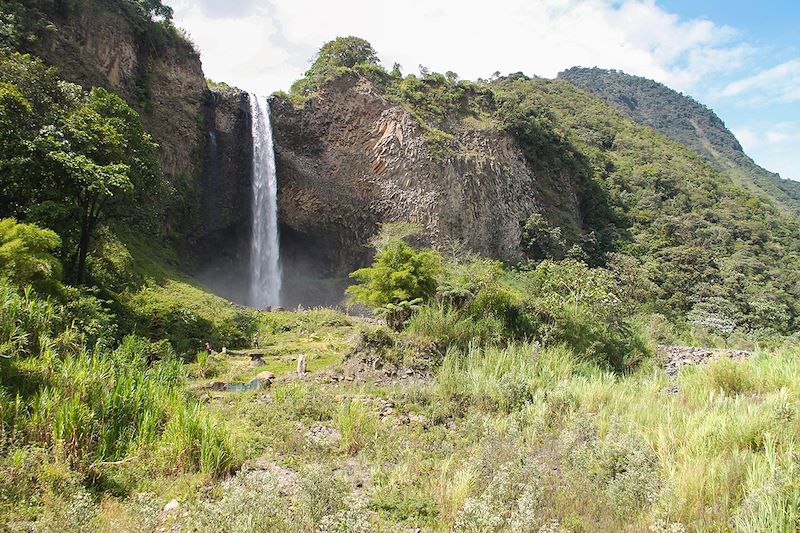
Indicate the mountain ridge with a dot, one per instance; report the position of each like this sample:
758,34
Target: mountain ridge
688,121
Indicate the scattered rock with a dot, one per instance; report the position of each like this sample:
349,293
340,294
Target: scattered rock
418,419
217,385
675,357
266,376
386,408
323,435
256,361
171,506
672,389
288,481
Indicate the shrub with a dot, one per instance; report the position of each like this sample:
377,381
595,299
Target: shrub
26,256
399,277
249,502
583,307
447,327
335,57
541,240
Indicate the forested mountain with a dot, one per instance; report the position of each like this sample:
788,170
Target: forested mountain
687,121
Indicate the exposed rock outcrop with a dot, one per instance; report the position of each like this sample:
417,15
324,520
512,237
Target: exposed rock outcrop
158,72
225,194
351,159
203,136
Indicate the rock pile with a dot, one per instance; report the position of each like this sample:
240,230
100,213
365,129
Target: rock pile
675,357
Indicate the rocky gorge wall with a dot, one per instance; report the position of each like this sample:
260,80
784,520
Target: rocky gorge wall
203,136
100,43
351,159
225,185
348,160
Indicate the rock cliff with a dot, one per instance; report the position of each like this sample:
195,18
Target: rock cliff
350,159
225,193
203,136
96,43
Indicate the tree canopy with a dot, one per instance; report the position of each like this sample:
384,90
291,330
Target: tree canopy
340,53
70,159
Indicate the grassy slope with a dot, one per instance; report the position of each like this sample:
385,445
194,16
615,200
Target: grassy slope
501,438
509,439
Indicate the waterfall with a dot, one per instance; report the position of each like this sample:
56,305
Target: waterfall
265,268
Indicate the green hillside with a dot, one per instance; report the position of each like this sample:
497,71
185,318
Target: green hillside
687,121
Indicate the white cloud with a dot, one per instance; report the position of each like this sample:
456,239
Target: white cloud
781,82
265,45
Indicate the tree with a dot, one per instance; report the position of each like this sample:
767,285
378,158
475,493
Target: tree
98,156
399,279
26,256
155,9
340,53
94,158
71,160
15,111
541,240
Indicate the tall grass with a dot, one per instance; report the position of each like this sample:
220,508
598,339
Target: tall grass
92,405
718,455
356,425
24,319
447,327
504,378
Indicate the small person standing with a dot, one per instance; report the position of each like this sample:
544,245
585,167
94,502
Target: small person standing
255,341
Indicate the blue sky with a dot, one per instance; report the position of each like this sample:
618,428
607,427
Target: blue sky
765,118
740,58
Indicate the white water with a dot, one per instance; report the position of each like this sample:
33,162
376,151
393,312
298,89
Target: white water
265,266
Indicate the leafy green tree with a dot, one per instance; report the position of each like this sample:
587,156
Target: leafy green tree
155,9
399,279
85,157
339,54
542,240
26,256
71,160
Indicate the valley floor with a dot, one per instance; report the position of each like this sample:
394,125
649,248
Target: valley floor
500,439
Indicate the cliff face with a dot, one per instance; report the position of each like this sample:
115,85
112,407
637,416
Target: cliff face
351,159
102,44
225,191
203,136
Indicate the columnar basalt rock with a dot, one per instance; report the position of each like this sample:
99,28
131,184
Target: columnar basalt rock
225,194
350,159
